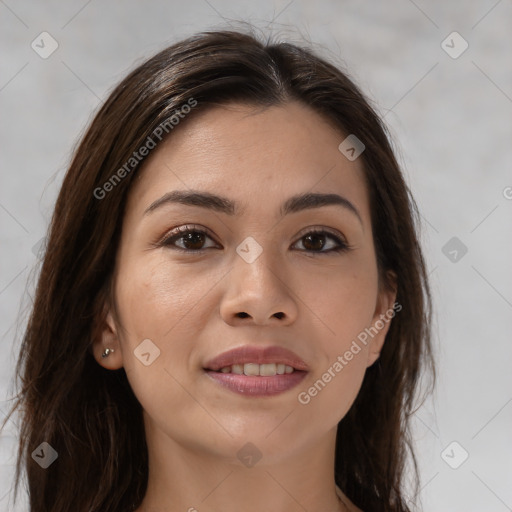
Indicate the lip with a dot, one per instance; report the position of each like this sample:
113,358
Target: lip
257,386
258,355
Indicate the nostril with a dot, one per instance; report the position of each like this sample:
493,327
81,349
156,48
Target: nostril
242,315
279,315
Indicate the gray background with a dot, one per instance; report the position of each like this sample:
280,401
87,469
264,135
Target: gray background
450,119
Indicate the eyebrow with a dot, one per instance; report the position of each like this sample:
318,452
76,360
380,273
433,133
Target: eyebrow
221,204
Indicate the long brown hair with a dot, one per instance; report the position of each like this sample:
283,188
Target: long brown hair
90,415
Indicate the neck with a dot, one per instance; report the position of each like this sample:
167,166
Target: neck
185,478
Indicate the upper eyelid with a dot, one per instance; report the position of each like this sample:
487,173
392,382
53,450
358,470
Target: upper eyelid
182,230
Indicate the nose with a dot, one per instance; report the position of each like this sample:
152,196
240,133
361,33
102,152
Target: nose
257,293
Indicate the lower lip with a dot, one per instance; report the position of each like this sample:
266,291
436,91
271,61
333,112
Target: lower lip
249,385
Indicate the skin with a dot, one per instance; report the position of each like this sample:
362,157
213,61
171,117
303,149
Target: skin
188,305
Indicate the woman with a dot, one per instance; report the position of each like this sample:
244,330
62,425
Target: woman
233,310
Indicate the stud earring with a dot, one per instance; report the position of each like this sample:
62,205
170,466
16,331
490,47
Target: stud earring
107,352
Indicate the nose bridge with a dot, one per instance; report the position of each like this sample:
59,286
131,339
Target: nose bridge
256,267
256,286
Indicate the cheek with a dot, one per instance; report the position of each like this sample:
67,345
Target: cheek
342,300
157,298
159,302
329,396
155,302
343,307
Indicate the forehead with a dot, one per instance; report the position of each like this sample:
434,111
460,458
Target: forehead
257,156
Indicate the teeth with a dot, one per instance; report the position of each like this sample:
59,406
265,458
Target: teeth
238,369
264,370
268,370
251,369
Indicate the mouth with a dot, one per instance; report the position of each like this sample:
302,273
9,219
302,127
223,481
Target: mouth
257,371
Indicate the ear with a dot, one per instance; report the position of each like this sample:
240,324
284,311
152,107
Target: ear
107,337
385,310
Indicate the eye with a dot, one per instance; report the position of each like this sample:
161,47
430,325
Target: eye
192,239
315,240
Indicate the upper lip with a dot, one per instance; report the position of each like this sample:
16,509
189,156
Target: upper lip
258,355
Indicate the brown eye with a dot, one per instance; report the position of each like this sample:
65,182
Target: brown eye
191,239
316,240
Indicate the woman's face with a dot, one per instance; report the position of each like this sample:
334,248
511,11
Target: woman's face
257,278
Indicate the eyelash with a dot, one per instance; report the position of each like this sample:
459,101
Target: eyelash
179,233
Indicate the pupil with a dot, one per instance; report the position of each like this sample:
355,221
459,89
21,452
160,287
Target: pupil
316,246
193,239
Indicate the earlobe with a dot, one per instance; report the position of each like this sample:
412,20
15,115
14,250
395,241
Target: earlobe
106,348
385,311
